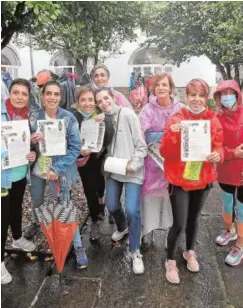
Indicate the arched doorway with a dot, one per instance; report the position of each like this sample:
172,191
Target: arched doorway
60,63
10,61
146,61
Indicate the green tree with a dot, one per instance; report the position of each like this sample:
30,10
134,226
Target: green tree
23,16
84,29
181,30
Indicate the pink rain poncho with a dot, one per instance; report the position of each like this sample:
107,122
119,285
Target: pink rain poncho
153,118
138,97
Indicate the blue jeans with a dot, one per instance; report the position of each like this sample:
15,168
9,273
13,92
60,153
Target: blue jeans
37,191
132,206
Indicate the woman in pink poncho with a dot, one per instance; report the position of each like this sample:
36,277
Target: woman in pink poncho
155,206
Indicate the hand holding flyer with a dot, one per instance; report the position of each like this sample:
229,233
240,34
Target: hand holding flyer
195,140
53,142
15,138
92,135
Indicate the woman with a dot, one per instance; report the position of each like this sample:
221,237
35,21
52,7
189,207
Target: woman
14,180
156,209
90,173
127,143
188,190
230,177
100,76
56,168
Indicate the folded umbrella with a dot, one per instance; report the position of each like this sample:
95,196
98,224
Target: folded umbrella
59,220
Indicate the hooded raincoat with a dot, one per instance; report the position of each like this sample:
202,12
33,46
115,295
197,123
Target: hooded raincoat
231,170
171,150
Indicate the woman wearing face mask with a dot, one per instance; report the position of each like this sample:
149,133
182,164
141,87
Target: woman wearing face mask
90,173
56,168
127,143
230,174
13,181
100,76
156,208
188,196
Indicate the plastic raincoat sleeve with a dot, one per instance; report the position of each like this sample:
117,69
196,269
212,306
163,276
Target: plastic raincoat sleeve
146,125
140,147
73,148
171,142
217,138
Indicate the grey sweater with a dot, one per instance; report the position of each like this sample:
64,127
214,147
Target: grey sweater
130,144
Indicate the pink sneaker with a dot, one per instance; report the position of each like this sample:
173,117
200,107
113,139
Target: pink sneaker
172,272
191,259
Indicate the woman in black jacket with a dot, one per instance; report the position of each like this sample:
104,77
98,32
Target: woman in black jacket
89,164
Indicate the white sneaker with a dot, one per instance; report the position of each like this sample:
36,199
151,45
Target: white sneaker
117,236
5,276
137,262
23,244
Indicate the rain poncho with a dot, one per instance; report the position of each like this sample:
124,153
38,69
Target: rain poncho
138,96
153,118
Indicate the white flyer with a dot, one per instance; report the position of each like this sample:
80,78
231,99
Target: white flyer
92,135
15,139
54,137
116,165
195,140
154,153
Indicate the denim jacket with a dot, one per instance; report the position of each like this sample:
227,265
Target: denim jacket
63,165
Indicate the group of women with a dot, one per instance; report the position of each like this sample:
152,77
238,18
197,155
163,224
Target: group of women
154,198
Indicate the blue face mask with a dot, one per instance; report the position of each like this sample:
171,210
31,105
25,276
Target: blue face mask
228,101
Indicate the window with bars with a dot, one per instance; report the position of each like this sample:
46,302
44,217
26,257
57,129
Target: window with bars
153,69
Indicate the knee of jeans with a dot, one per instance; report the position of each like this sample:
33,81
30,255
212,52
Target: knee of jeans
111,210
132,212
37,201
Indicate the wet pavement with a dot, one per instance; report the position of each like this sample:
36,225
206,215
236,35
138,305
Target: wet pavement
109,282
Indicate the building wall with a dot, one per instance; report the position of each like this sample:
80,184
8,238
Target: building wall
120,69
197,67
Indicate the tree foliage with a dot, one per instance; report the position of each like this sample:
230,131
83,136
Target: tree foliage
181,30
84,29
24,16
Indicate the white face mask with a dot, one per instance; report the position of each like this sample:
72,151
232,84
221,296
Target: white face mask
228,101
196,111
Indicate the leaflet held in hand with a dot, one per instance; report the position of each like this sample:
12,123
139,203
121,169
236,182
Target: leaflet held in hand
92,135
54,137
15,140
154,153
195,140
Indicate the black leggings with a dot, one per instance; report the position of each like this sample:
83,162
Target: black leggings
186,208
94,186
11,213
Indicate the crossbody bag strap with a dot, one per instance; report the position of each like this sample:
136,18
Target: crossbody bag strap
117,124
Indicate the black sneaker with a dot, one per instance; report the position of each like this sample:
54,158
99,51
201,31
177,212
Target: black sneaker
94,231
32,231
